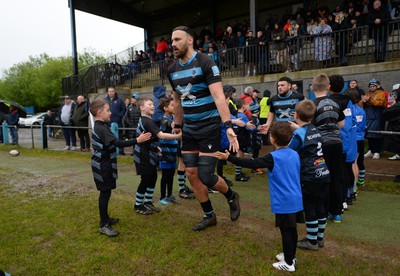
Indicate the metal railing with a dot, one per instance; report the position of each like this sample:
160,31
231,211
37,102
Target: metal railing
361,45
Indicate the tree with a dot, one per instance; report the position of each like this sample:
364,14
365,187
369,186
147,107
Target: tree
37,81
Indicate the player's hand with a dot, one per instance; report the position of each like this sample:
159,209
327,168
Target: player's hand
177,130
143,137
233,142
264,129
293,125
222,155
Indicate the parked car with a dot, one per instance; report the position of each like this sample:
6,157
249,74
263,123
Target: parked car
34,120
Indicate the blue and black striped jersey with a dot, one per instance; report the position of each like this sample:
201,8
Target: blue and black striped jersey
191,81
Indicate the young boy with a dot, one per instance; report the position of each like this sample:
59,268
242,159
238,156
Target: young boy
255,135
243,136
329,118
146,157
169,150
104,161
307,141
285,192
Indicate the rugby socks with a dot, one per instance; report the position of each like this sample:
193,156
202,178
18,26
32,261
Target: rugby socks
149,195
238,170
361,176
181,180
321,228
207,208
312,231
139,199
229,194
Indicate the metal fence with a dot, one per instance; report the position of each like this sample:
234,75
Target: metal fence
361,45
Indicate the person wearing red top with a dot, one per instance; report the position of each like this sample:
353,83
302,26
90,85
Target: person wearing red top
162,49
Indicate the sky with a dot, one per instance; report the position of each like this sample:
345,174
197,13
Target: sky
32,27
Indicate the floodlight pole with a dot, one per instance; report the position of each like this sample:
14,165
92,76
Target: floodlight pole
73,38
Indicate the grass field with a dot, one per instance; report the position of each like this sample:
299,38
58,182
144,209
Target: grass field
49,226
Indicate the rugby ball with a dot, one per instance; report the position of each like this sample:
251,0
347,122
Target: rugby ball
14,152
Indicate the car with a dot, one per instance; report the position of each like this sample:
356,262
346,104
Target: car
34,120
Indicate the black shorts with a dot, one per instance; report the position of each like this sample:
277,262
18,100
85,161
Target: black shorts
208,141
289,220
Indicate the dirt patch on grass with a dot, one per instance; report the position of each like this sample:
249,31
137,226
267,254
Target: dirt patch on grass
39,184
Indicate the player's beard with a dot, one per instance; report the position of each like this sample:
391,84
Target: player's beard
181,53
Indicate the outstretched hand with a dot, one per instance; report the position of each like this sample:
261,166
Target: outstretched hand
233,142
143,137
222,155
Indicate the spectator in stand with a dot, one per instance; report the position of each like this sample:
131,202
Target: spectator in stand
287,25
364,8
206,32
213,52
392,115
311,25
354,85
229,41
294,45
80,118
240,40
118,110
342,45
207,42
262,52
374,102
378,19
250,57
278,37
395,13
322,42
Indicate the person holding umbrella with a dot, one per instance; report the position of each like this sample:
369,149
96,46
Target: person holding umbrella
12,120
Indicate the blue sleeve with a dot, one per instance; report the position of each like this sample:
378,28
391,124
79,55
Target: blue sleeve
296,143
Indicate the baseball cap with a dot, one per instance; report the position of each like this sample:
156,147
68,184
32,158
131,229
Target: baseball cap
372,82
229,88
136,96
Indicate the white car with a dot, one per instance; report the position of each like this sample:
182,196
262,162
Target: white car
34,120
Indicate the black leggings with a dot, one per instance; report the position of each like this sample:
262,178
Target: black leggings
167,179
289,243
360,158
104,198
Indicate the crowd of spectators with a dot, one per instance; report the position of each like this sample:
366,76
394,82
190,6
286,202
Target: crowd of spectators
275,39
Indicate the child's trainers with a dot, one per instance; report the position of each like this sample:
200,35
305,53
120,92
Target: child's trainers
306,244
282,265
141,209
281,257
108,231
164,201
257,171
172,199
151,207
335,218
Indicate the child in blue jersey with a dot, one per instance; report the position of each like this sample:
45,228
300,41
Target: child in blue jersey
225,140
361,126
348,135
243,136
285,191
315,178
169,150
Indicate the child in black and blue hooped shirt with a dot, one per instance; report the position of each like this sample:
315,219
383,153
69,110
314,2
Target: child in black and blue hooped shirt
315,176
146,157
104,161
285,191
169,150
